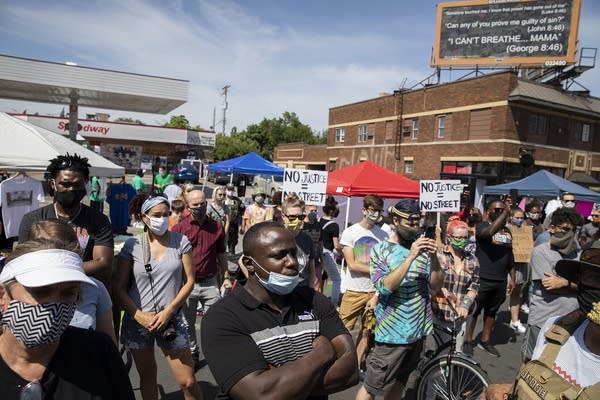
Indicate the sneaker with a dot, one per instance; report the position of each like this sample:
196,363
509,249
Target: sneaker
490,348
525,309
517,326
468,348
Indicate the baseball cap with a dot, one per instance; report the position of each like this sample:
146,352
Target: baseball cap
45,267
406,208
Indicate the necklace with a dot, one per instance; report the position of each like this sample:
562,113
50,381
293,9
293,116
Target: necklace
68,219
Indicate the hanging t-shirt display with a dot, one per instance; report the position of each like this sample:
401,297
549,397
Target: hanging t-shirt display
119,196
18,196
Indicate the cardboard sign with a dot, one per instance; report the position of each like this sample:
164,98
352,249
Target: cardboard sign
309,185
522,242
443,195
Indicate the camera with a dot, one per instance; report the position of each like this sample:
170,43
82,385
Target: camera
169,334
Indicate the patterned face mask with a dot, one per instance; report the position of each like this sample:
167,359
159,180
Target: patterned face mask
38,324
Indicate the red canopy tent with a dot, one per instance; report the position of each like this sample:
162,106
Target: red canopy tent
366,178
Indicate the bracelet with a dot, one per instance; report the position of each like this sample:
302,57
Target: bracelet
467,302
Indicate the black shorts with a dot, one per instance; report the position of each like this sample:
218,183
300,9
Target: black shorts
490,297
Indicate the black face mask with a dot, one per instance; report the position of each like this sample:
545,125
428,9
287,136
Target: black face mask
198,213
495,215
586,297
70,198
407,233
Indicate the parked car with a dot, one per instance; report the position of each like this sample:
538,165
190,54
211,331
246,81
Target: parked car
185,173
221,178
270,183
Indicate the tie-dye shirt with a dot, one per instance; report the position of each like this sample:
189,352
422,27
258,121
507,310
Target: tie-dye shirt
404,315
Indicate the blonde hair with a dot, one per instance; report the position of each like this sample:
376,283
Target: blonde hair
214,193
292,200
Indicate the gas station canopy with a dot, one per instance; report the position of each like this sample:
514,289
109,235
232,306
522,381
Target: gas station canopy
49,82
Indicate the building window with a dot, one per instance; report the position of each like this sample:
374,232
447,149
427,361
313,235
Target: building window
340,135
408,166
537,124
582,132
415,129
441,126
362,134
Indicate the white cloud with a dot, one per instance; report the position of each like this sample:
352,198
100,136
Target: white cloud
272,67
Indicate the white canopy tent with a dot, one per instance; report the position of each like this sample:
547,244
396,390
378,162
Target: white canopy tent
28,147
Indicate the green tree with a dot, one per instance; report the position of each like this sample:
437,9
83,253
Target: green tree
285,129
178,121
129,121
227,147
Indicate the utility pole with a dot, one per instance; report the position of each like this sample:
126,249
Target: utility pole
224,95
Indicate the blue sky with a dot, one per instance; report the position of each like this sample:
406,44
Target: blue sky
303,56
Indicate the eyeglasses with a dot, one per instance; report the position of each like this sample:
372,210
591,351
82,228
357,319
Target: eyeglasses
32,391
292,218
565,228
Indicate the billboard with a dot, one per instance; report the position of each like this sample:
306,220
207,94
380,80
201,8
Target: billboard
506,33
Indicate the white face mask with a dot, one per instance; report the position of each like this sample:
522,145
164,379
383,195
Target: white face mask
229,193
158,226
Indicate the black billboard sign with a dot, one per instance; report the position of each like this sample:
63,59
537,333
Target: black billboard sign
483,33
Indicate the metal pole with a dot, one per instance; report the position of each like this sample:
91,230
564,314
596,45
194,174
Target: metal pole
225,88
73,117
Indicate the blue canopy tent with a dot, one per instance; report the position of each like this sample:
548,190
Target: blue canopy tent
249,164
544,184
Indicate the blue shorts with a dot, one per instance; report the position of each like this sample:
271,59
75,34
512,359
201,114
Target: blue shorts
135,337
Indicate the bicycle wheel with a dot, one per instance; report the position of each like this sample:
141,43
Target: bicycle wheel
468,381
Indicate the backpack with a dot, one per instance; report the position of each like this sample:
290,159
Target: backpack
537,380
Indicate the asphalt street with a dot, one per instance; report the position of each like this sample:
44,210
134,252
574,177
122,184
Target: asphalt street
501,369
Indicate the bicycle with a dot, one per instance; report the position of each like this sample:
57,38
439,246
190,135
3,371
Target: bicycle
451,375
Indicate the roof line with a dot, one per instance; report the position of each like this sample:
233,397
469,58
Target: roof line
93,68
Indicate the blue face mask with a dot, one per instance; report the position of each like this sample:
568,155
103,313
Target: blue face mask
278,283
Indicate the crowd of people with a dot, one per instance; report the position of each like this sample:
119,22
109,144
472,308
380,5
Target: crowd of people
395,277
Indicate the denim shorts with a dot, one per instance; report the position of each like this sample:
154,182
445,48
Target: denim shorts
135,337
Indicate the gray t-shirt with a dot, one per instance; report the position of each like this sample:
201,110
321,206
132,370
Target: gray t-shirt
93,301
167,273
544,304
217,213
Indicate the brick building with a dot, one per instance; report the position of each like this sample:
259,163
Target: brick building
480,130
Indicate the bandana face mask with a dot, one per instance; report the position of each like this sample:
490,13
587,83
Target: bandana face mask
38,324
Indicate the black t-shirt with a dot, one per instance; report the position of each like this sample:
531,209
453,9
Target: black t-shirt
329,232
495,254
314,230
240,335
305,253
92,227
86,366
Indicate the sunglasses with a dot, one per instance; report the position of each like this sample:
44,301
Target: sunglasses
292,218
32,391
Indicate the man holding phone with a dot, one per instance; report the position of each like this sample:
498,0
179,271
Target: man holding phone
403,270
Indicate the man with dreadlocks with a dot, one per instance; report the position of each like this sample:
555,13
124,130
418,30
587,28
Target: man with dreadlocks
68,176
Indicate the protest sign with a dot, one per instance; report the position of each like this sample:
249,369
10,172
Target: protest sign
522,242
309,185
442,195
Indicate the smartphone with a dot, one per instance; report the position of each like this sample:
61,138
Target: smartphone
429,232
